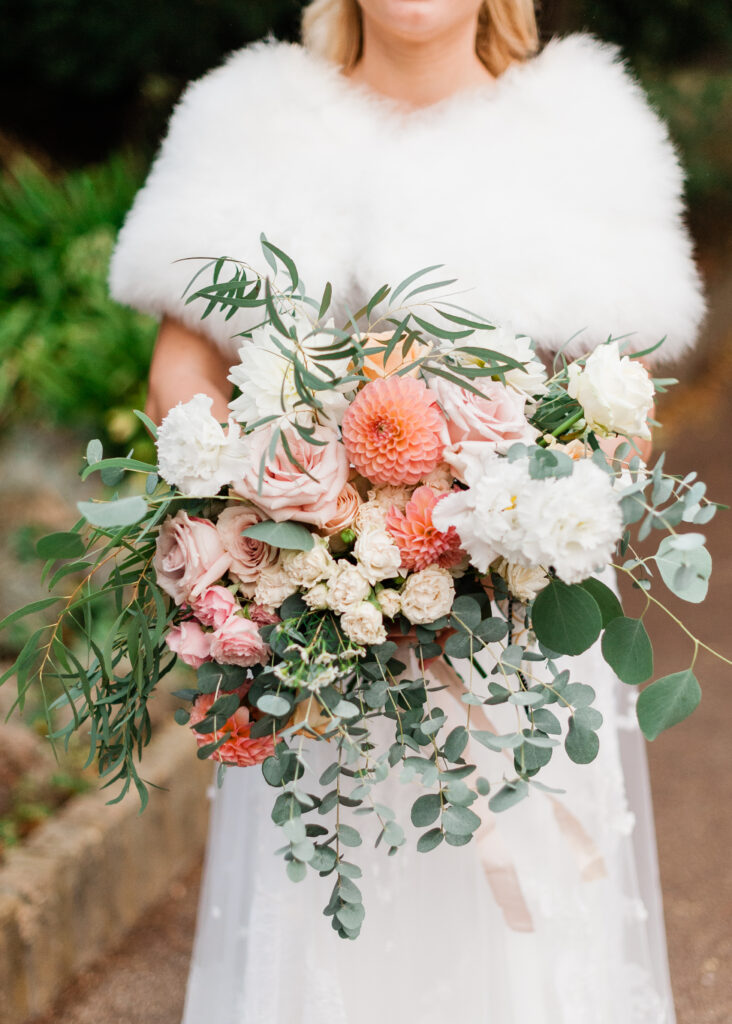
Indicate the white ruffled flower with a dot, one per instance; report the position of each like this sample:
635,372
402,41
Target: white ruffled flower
390,602
317,597
370,516
427,595
346,586
379,558
485,514
266,376
363,623
274,586
195,453
616,393
571,524
306,568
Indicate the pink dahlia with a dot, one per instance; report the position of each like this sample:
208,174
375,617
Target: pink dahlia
239,748
394,431
418,539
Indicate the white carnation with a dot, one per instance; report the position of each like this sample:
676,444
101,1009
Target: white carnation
346,586
390,602
571,524
306,568
427,595
266,376
370,515
195,453
363,623
391,494
616,393
379,558
274,586
317,597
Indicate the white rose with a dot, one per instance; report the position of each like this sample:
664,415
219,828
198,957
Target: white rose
427,595
195,453
317,597
390,603
346,586
273,586
370,515
363,623
379,558
616,393
306,568
525,583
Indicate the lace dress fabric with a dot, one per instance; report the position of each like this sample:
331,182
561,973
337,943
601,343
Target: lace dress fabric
436,944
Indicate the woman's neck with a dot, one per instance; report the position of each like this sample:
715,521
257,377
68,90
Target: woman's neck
418,73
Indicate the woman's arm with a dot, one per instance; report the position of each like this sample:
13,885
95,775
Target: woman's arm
186,363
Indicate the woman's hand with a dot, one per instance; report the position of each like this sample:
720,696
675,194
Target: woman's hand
184,364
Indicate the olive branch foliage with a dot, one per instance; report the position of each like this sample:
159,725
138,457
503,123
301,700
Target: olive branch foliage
321,687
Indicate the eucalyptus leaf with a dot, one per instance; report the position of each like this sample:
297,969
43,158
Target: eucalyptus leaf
667,701
287,535
626,647
566,618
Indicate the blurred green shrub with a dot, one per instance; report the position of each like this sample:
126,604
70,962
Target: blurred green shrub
68,355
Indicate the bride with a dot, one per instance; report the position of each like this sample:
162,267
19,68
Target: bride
406,133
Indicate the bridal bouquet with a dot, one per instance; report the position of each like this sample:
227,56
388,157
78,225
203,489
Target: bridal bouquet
406,503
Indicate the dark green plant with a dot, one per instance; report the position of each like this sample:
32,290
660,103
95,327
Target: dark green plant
69,355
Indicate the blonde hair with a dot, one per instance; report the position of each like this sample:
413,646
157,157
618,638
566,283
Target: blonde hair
507,32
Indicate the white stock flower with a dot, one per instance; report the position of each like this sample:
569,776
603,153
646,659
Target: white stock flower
378,556
273,586
346,586
571,524
616,393
363,623
390,602
195,453
427,595
317,597
306,568
266,377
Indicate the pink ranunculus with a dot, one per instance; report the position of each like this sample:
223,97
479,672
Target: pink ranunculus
189,557
263,616
287,492
239,642
248,556
190,643
214,606
239,747
498,416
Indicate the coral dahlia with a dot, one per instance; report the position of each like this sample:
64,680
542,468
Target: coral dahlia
420,542
394,431
239,748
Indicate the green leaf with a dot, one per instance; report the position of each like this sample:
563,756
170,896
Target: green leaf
510,794
455,743
288,535
60,545
351,915
566,618
272,704
429,840
671,558
349,836
626,648
106,514
94,452
460,821
582,744
465,612
426,809
667,702
610,607
296,870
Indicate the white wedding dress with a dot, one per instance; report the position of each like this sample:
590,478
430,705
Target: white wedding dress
554,195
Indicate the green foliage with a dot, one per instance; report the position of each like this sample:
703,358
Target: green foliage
667,702
69,356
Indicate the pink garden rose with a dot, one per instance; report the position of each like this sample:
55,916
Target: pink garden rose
348,504
239,748
189,557
214,606
190,643
263,616
497,417
239,642
287,492
248,556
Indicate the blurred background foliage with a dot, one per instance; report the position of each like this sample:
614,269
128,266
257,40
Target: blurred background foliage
82,83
